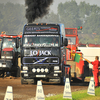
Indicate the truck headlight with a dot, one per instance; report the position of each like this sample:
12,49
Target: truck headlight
25,68
55,74
56,67
42,70
46,70
3,65
0,64
33,70
25,75
38,70
3,57
9,57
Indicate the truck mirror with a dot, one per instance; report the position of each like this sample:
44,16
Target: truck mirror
17,42
65,43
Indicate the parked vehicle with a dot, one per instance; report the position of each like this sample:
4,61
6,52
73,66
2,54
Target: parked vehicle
43,53
9,53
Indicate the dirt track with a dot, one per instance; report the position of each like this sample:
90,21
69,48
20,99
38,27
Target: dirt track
27,92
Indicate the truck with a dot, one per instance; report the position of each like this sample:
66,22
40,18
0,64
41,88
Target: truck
43,53
9,54
79,70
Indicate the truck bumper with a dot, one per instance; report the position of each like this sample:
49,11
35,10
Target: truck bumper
51,77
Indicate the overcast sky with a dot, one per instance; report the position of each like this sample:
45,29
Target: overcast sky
53,7
56,2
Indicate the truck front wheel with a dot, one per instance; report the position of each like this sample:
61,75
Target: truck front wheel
70,76
18,72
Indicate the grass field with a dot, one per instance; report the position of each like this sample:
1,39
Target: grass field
79,95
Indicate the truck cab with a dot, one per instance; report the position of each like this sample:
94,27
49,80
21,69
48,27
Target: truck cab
42,53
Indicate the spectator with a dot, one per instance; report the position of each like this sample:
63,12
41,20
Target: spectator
96,64
69,41
54,40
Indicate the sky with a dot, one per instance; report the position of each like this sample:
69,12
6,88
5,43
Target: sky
54,5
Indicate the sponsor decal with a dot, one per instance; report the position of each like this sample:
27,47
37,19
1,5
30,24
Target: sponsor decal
40,52
40,60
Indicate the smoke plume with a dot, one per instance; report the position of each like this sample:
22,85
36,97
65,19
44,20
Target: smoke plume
36,9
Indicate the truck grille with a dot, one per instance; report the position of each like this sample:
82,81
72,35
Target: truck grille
40,60
6,53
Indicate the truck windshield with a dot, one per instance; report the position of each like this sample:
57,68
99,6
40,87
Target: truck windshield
8,43
41,41
71,40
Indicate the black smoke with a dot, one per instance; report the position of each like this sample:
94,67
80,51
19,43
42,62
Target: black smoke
36,9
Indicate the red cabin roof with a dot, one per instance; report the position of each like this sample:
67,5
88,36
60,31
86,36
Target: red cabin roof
10,36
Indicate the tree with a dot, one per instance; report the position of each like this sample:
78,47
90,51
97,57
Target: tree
13,18
68,13
92,24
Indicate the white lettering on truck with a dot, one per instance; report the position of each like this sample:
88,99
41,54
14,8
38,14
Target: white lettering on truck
40,52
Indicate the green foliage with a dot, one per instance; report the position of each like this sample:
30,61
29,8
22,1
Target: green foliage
12,18
68,13
86,15
78,95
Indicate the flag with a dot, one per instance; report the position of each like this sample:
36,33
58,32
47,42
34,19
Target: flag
77,57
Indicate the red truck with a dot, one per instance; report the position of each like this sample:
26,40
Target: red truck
77,68
9,54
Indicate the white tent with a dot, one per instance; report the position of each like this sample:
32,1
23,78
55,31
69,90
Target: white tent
90,53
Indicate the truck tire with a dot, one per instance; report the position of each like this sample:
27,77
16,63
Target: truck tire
62,80
70,76
18,72
83,79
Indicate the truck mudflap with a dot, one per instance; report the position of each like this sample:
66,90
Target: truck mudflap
34,80
49,77
5,64
52,75
25,81
57,80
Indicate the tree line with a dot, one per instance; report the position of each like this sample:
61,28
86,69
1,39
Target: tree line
12,19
